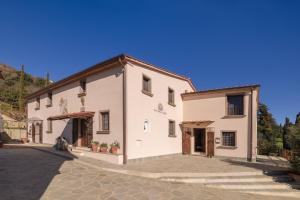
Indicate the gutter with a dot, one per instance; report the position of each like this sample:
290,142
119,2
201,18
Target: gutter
251,127
124,110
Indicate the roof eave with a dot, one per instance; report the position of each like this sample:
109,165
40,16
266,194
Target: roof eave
221,90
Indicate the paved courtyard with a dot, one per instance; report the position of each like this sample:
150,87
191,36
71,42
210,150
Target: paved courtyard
27,173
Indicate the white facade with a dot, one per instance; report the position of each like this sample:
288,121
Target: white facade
137,120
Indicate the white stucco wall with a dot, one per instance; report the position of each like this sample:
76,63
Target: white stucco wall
104,92
203,107
141,107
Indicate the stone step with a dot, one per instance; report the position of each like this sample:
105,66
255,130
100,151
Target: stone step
219,180
231,179
290,194
80,149
250,186
202,175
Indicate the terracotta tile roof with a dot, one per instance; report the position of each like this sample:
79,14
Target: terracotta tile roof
107,64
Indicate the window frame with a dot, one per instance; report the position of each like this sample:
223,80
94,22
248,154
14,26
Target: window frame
173,129
227,105
235,138
37,103
172,103
149,82
49,99
82,88
49,126
101,130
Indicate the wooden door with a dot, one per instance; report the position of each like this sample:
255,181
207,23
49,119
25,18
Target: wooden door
84,136
41,132
186,142
89,130
33,133
75,132
210,144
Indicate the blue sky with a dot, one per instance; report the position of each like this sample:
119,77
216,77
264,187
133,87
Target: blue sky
216,43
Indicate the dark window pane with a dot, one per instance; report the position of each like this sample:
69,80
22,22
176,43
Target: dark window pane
171,96
228,139
172,128
235,105
83,85
146,84
105,121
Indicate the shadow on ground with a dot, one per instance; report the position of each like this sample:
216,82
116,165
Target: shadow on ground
260,164
25,173
279,173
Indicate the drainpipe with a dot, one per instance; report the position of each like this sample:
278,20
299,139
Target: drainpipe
251,127
124,111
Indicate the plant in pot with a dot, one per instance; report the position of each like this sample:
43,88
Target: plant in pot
114,147
24,140
103,147
95,145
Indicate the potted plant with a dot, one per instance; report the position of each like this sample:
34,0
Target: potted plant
24,140
95,145
103,147
114,147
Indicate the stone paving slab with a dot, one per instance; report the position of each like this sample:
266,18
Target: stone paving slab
30,174
179,163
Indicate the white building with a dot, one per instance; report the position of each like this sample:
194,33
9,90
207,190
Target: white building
148,110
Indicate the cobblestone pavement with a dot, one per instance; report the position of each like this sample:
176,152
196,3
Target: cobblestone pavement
31,174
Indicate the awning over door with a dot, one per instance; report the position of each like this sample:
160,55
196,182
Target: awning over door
196,124
80,115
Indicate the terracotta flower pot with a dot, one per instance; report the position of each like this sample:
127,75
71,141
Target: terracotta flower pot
114,150
94,147
24,140
103,149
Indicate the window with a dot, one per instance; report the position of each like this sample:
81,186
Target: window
49,126
82,86
235,105
37,103
172,128
146,85
103,122
228,139
49,99
171,99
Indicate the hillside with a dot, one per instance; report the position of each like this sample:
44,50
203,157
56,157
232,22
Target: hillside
10,87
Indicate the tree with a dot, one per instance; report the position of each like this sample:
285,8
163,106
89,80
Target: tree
21,90
269,136
297,121
286,133
291,136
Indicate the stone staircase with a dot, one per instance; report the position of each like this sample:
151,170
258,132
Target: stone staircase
272,183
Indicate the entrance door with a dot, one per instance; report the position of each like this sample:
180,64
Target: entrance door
83,130
210,144
75,132
199,135
186,142
33,133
